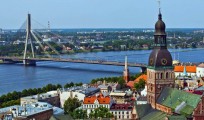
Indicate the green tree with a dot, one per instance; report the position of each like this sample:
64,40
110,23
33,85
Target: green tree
79,114
140,85
59,86
70,105
100,112
121,82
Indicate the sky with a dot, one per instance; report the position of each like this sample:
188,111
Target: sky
102,13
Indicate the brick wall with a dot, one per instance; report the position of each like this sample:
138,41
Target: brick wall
163,108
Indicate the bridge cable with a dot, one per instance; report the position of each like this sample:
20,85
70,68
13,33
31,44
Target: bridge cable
41,46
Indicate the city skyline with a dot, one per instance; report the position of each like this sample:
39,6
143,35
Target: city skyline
102,14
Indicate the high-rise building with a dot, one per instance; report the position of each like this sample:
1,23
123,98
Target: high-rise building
160,72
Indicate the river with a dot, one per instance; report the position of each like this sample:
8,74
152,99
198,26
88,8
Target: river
18,77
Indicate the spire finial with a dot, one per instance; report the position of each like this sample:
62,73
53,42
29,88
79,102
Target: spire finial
159,3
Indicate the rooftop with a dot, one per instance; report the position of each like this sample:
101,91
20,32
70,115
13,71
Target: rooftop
27,110
155,115
180,101
131,83
143,76
81,89
143,109
189,69
43,95
100,99
201,65
121,107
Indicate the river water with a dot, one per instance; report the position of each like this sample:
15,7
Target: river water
17,77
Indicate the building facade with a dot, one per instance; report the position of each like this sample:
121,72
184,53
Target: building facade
121,97
122,111
92,102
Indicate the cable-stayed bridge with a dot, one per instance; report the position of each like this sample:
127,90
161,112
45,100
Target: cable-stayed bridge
33,37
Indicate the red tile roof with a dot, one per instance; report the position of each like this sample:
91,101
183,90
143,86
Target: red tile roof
101,99
143,76
189,69
131,83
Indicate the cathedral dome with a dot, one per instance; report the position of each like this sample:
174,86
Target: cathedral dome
160,26
159,58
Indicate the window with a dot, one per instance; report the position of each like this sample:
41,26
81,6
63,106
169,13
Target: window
161,77
156,76
167,75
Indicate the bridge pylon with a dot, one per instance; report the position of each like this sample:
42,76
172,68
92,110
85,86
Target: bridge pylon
29,40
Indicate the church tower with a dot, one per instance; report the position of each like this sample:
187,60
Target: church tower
160,72
126,76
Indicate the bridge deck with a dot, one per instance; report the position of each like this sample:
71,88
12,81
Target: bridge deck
16,59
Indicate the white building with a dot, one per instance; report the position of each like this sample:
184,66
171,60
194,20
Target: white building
122,111
144,92
77,92
181,71
200,70
92,102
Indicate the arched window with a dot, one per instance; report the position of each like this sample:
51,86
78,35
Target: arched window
167,75
161,77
